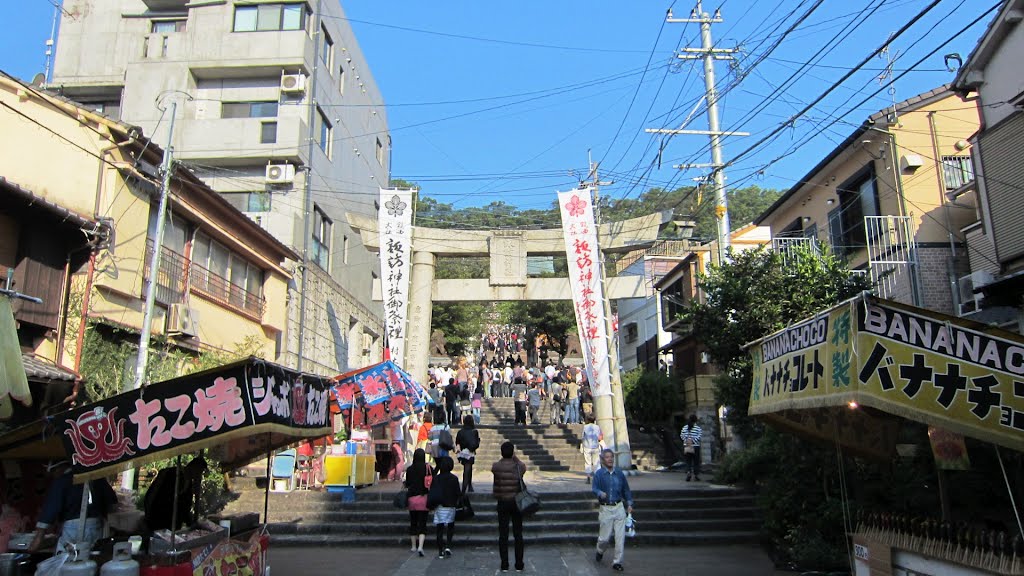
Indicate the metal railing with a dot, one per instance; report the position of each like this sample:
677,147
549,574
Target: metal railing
786,245
170,279
218,288
176,272
892,254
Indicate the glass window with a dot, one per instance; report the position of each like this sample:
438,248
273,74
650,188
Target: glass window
201,250
321,238
258,202
245,18
294,17
341,80
323,132
219,257
269,17
168,26
254,281
326,47
268,133
380,152
248,110
957,171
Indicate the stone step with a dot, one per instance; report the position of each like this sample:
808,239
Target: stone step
585,536
486,510
539,524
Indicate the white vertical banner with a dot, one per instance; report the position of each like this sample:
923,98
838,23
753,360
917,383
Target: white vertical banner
394,221
581,249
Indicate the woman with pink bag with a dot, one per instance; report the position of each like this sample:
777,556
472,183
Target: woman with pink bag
418,478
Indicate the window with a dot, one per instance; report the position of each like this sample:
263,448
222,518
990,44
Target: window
380,152
248,110
167,26
344,249
632,332
858,198
322,132
268,133
957,171
265,17
321,238
341,80
326,47
254,201
111,109
225,276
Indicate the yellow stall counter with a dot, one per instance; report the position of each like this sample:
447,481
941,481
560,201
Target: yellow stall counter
338,470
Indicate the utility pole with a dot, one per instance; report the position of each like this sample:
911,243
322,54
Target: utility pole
167,169
709,54
616,429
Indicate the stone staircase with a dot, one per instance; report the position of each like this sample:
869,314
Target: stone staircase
545,447
664,517
685,514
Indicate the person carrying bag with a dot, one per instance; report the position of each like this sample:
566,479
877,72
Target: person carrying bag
508,481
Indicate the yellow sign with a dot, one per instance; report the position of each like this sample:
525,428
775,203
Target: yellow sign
906,361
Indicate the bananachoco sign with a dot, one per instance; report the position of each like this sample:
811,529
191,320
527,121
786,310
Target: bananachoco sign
896,359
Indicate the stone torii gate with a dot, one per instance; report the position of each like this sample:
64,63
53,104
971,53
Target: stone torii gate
507,250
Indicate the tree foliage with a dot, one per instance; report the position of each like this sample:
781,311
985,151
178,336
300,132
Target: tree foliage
650,396
754,294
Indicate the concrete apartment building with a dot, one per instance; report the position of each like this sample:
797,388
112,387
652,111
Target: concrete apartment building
879,200
995,236
278,112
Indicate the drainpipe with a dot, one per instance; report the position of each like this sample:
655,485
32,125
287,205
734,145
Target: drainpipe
944,203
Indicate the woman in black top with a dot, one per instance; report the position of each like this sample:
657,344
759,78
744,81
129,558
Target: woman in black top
443,499
415,482
468,440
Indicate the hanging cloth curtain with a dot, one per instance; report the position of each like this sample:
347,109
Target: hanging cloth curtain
13,380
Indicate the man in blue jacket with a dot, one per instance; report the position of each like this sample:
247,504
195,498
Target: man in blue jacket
612,491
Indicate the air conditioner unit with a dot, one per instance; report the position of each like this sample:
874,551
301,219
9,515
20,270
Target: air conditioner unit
280,173
293,83
182,321
970,301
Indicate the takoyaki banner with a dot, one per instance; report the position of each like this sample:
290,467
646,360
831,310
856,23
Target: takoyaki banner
238,412
895,359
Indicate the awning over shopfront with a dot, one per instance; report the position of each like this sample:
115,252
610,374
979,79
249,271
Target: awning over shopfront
237,412
378,394
841,376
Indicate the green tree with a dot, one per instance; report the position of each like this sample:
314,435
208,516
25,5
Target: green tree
750,296
651,397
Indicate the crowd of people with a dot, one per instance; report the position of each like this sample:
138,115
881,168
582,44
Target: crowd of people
437,489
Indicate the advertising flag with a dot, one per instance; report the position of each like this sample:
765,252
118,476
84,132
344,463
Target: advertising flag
395,229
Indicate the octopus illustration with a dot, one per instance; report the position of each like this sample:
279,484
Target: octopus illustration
98,437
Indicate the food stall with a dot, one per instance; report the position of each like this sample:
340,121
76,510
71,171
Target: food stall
237,413
368,399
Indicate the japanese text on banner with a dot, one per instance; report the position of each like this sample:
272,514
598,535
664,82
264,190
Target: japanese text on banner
584,258
395,230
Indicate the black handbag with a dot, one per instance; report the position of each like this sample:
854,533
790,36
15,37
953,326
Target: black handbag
401,499
464,510
527,501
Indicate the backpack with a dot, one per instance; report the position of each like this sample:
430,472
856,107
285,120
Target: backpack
445,441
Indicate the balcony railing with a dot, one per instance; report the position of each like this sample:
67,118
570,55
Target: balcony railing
170,281
218,288
785,245
176,271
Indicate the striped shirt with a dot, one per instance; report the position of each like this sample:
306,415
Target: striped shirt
692,433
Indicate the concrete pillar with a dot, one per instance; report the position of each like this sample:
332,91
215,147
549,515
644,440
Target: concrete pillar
417,342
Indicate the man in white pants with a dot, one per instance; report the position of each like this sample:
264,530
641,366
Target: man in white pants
591,447
612,491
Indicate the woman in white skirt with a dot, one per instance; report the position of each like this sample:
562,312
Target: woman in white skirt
443,498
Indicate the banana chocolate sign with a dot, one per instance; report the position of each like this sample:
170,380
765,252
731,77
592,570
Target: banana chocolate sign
896,359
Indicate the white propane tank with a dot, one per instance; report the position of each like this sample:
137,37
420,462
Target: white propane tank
122,563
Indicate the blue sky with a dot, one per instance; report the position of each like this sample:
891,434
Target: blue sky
502,101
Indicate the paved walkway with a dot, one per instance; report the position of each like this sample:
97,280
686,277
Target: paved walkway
540,560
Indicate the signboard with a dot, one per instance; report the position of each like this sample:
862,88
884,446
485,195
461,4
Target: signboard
861,552
943,371
395,230
584,259
204,410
